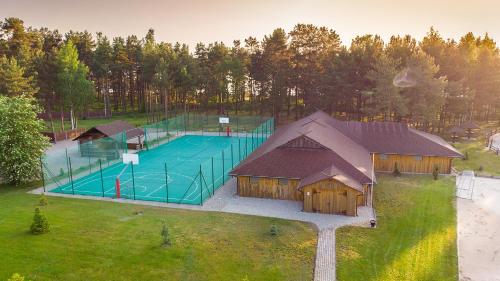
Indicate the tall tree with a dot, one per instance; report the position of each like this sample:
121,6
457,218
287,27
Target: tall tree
20,162
13,81
72,86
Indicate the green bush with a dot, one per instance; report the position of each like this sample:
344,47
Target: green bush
435,172
166,236
396,171
43,200
274,230
16,277
40,224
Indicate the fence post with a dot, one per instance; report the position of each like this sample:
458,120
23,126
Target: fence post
237,125
71,176
90,167
41,173
124,139
201,188
213,180
157,135
133,179
223,178
246,147
239,150
232,165
252,141
102,181
67,163
166,180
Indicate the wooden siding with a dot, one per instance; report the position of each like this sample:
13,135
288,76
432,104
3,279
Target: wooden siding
268,188
331,197
410,164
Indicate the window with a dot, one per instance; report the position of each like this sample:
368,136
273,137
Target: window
282,181
383,156
417,157
254,180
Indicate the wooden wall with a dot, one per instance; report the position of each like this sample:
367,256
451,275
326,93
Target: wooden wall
268,188
332,197
410,164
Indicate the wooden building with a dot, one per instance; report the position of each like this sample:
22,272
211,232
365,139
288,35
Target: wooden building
108,139
330,165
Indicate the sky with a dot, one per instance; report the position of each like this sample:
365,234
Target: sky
193,21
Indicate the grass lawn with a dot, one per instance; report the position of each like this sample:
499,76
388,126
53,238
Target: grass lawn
136,119
416,235
478,156
92,240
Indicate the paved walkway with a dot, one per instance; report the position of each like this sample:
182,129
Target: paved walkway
226,200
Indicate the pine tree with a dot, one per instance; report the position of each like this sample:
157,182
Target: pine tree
40,224
396,171
43,200
13,81
166,236
274,230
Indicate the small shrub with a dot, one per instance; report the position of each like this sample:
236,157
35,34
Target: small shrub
40,224
166,236
274,230
16,277
481,168
435,173
43,200
396,171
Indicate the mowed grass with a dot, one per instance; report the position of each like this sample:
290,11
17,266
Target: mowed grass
92,240
480,159
136,119
416,235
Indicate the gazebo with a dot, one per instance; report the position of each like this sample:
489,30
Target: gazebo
469,126
455,132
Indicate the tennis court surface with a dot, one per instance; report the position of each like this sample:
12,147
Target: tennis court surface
186,169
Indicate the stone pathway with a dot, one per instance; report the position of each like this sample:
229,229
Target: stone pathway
325,256
226,200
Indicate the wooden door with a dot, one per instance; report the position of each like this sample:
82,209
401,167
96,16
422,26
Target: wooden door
316,201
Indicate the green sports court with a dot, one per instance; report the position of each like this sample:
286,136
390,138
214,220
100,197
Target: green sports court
187,168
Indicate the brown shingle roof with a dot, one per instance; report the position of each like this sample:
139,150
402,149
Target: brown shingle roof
113,128
395,138
336,149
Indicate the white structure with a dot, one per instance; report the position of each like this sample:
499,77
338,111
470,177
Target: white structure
495,142
465,184
130,158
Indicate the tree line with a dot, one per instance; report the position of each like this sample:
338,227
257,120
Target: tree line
430,83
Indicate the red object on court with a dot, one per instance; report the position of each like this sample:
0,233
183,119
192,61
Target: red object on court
117,185
228,130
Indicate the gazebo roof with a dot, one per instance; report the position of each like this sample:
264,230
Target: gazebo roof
456,130
469,125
